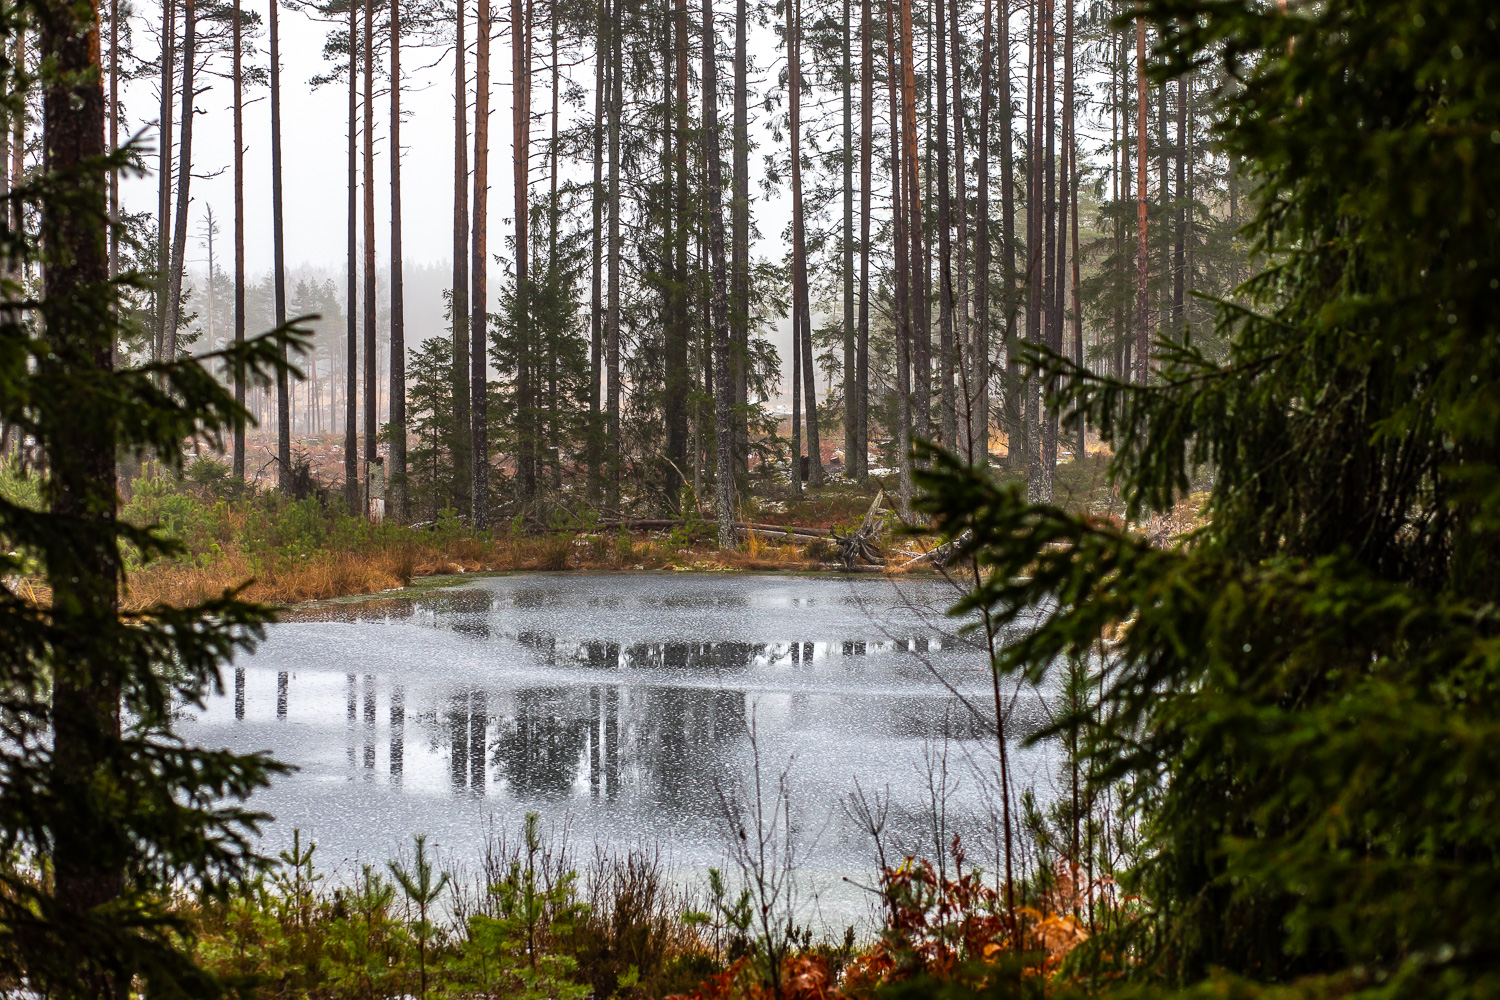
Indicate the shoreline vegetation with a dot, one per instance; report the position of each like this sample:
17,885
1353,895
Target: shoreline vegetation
289,549
534,917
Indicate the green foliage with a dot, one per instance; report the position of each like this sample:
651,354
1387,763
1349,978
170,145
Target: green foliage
106,813
1299,698
429,419
506,953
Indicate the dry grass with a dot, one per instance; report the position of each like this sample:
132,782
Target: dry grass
323,575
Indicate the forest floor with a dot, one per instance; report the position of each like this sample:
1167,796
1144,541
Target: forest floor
278,550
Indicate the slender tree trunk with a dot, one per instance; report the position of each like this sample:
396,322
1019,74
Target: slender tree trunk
1035,240
278,262
612,309
851,404
1142,319
1072,153
479,262
184,177
114,140
739,215
899,195
801,306
861,468
948,427
1012,301
463,482
979,389
596,257
554,439
372,383
80,443
919,328
239,230
679,320
164,177
351,361
1179,274
962,441
723,389
1052,246
520,182
396,478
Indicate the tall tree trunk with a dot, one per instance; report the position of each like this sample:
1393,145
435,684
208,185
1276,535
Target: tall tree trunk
1179,275
80,445
612,308
679,320
184,177
801,308
902,299
596,257
723,389
948,427
114,140
1071,141
1051,242
396,477
1142,319
372,384
979,389
920,327
851,406
479,262
351,361
520,181
463,482
739,215
554,440
239,231
1012,302
961,362
1035,210
278,262
861,468
164,176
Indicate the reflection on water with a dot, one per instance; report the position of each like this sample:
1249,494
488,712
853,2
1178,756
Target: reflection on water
620,704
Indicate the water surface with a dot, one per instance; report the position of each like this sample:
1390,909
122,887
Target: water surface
622,706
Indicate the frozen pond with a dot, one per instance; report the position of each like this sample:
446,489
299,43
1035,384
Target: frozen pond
621,705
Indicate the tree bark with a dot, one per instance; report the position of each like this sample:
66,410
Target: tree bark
739,215
1012,300
396,477
679,320
278,263
596,257
1071,141
372,386
1179,275
899,196
463,482
860,459
351,360
612,309
948,415
1142,318
239,231
184,178
520,180
801,308
979,388
163,177
851,407
962,359
723,389
479,260
81,475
